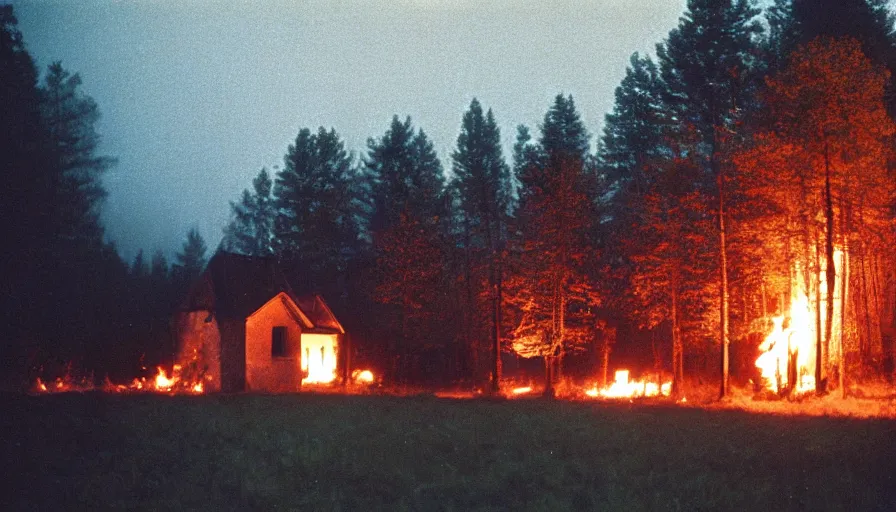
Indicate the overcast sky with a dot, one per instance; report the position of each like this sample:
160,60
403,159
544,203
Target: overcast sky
197,96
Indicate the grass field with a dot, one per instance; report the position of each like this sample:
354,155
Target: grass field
327,452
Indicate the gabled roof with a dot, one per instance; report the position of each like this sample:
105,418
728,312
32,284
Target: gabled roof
234,286
291,307
319,313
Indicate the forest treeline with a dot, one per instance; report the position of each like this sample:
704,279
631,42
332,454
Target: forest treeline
752,141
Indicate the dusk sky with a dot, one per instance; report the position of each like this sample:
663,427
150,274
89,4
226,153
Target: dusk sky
197,96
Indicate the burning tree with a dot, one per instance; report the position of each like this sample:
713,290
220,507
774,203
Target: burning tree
819,170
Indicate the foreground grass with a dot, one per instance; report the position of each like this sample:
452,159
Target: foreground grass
304,452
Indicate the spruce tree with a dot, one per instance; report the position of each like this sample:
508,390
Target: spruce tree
550,286
251,228
23,166
70,117
710,66
482,179
316,229
409,205
191,260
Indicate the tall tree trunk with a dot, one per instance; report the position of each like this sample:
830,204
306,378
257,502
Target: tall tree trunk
877,295
723,288
865,340
495,283
470,341
818,338
496,341
830,268
549,370
844,289
605,361
677,348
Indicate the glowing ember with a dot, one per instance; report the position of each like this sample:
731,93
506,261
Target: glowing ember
622,387
522,391
363,376
789,350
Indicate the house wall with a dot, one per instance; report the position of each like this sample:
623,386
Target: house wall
264,372
199,348
233,355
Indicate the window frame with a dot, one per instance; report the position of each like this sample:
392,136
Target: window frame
279,339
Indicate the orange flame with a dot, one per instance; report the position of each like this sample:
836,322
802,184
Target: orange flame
622,387
319,358
160,383
792,339
363,376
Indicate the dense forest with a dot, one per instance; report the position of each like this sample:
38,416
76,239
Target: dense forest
751,156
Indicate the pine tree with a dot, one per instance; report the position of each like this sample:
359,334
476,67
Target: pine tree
633,146
23,165
551,287
482,179
139,268
251,228
710,67
409,204
316,229
58,269
191,260
70,117
405,175
671,252
634,132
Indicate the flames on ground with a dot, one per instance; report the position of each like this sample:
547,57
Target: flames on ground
363,377
623,387
161,382
788,358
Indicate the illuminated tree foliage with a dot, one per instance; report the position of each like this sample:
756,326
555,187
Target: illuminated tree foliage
797,22
551,286
821,169
251,228
672,252
710,66
633,144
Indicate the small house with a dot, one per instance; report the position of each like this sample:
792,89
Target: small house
242,328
